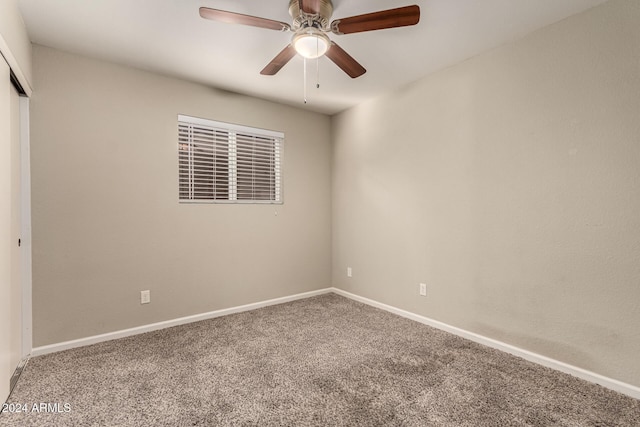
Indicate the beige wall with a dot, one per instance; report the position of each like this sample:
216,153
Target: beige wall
106,220
510,184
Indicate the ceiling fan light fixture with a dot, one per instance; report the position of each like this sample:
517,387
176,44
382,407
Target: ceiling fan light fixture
311,20
311,43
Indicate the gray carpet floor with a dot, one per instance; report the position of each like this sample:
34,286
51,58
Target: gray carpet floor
322,361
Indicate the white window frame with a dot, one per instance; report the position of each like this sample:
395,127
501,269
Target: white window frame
233,130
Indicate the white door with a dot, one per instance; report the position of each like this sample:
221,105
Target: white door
15,335
10,226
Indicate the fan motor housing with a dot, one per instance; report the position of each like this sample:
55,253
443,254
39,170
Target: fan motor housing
301,19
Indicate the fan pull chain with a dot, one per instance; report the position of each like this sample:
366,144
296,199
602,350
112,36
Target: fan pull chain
317,63
304,80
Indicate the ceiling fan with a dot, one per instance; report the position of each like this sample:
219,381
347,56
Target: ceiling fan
310,25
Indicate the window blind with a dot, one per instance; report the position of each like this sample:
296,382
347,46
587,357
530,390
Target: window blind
221,162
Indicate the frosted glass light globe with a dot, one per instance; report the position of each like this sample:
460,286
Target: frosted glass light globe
311,43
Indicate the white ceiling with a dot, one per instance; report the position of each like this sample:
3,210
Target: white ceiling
169,37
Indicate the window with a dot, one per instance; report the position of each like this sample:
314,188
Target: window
226,163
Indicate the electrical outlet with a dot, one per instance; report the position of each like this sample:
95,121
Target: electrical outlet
423,289
349,272
145,297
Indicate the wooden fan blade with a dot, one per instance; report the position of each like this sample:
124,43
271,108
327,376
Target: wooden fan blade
400,17
238,18
309,6
279,61
343,60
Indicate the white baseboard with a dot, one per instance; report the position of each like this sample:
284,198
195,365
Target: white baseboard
66,345
584,374
610,383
